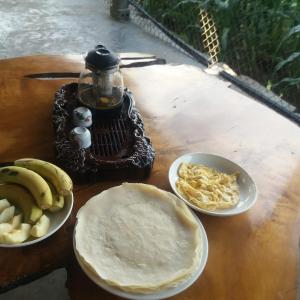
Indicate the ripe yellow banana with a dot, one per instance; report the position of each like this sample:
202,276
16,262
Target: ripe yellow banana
58,200
31,180
58,177
19,197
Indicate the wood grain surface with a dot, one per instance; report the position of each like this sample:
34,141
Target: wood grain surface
254,255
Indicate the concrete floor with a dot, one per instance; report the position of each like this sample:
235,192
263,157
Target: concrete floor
72,26
30,27
50,287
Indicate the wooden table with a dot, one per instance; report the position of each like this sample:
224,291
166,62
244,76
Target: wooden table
254,255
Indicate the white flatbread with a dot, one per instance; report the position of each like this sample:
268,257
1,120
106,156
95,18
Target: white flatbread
138,238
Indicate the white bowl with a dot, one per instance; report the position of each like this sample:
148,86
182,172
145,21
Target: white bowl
248,190
57,220
161,294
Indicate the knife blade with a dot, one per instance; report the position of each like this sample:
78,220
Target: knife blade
62,75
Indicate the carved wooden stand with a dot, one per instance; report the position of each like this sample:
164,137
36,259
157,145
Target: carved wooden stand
119,147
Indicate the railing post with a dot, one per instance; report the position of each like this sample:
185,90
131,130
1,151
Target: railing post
119,10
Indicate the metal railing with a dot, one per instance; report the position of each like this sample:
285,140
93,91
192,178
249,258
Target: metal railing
210,32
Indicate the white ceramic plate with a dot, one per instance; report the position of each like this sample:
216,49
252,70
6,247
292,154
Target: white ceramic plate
159,295
248,190
57,220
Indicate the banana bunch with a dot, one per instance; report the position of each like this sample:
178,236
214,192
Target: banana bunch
30,186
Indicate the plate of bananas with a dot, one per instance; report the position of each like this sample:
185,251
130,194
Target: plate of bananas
36,199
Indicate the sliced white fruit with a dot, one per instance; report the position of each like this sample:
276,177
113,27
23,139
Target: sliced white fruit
4,204
5,227
16,221
7,214
41,227
16,236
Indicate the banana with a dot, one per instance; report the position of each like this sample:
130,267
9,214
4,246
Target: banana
41,227
22,199
16,236
7,214
58,200
31,180
58,177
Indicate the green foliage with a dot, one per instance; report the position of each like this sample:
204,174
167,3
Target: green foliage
258,38
284,62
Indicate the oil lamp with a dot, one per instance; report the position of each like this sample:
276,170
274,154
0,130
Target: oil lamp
100,86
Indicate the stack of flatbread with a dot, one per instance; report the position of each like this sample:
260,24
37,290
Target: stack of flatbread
137,238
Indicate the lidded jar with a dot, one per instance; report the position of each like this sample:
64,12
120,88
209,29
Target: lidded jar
101,83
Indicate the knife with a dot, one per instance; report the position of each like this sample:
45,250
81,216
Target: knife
57,75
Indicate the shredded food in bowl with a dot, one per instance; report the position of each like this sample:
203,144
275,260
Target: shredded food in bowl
206,187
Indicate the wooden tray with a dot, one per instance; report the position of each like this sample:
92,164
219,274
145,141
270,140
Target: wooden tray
119,148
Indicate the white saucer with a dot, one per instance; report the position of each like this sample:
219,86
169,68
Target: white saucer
248,189
159,295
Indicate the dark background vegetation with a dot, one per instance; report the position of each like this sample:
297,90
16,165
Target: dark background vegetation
258,38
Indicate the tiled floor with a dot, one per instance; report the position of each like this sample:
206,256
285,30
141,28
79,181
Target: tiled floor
68,26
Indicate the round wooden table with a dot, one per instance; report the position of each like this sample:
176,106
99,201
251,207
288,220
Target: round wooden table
254,255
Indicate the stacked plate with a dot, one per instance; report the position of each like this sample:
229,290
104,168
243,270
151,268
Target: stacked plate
139,242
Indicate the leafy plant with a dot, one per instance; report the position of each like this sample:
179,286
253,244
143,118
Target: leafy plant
258,38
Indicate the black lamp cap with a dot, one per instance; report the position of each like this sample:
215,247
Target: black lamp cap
101,59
